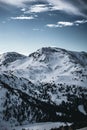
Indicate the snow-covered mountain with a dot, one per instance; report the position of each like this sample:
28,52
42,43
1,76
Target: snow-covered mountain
48,85
48,65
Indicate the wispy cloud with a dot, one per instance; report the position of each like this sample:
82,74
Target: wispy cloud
55,5
66,24
36,29
81,21
18,3
75,7
13,2
63,5
3,22
22,18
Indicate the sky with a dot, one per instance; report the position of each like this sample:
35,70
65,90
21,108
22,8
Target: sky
28,25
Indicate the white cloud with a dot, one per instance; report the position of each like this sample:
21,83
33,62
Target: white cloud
23,9
66,24
38,8
81,21
22,18
52,25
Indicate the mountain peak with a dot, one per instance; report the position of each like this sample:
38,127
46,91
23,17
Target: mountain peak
50,50
46,51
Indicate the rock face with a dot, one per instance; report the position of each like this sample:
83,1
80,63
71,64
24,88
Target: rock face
48,85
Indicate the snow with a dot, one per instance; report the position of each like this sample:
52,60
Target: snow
81,109
83,128
59,113
2,97
42,126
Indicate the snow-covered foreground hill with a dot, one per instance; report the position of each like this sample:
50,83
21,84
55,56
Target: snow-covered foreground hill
83,128
49,85
41,126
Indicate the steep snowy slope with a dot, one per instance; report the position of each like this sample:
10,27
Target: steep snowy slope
48,85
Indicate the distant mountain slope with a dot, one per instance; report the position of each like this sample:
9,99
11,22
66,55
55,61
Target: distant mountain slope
9,57
48,85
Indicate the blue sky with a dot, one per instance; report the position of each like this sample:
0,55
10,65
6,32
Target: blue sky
27,25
